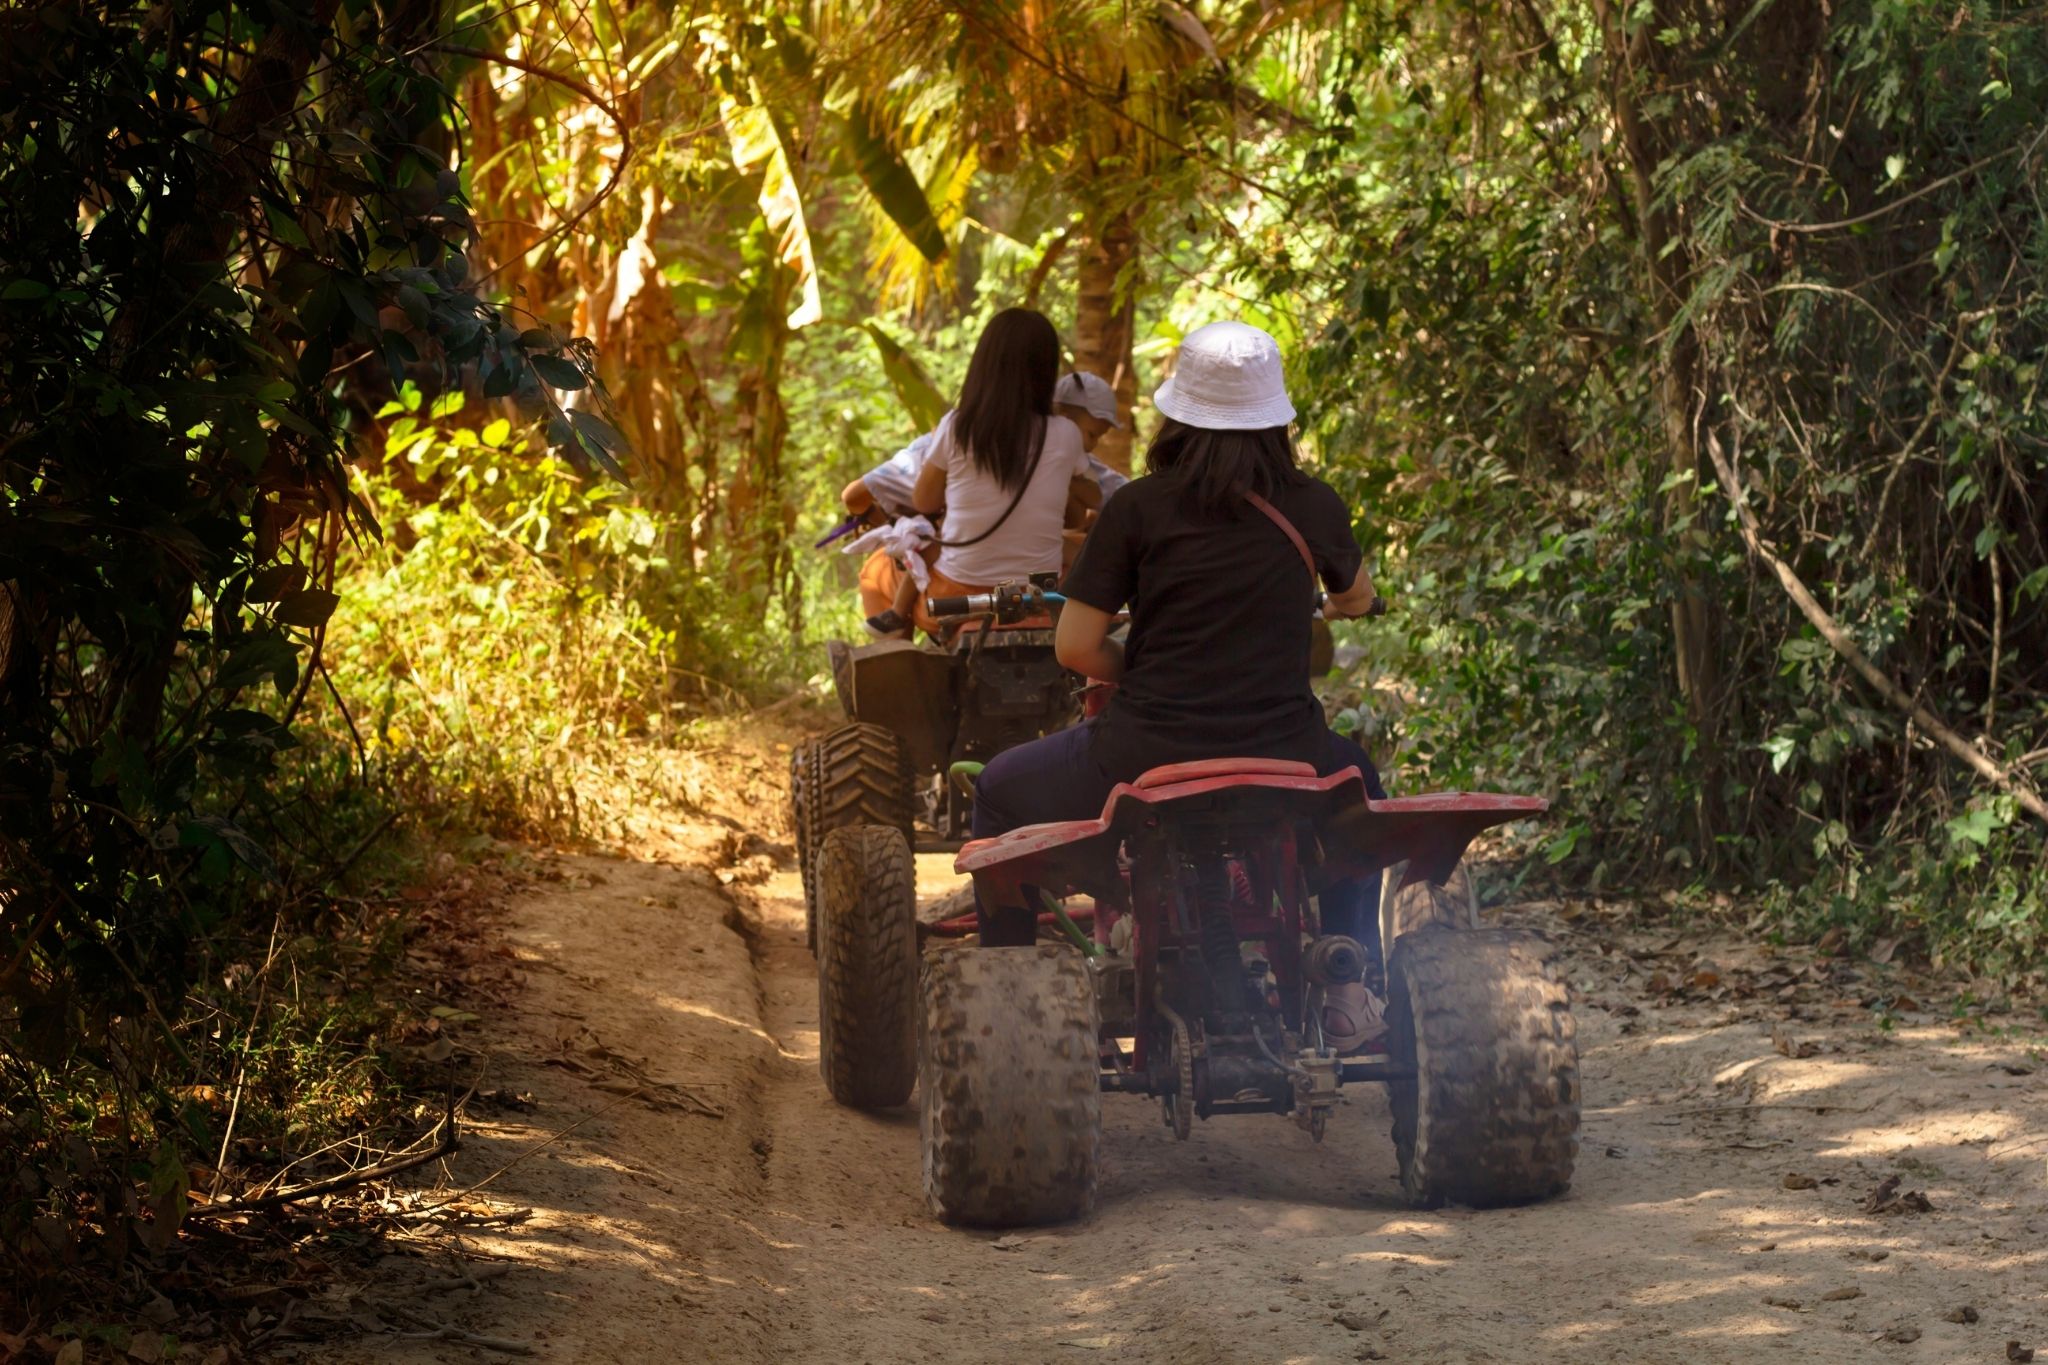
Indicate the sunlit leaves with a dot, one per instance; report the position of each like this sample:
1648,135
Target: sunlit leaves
760,146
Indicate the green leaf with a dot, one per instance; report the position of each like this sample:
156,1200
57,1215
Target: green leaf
1976,826
24,289
600,441
495,431
914,389
596,429
892,183
308,607
286,228
203,830
1560,848
267,653
557,372
270,583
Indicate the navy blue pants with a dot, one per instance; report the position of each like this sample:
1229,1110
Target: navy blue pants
1057,778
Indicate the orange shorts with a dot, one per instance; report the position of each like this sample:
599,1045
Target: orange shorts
880,576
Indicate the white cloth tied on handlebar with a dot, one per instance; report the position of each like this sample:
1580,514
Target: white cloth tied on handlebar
902,539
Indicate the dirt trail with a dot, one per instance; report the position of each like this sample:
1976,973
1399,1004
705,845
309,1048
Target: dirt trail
787,1229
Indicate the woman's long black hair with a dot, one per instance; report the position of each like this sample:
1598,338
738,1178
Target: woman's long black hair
1214,469
1007,397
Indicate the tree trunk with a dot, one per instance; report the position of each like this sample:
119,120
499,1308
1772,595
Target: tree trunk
759,519
1667,266
1105,318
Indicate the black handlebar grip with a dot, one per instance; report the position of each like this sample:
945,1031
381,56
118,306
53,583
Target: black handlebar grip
1378,607
951,606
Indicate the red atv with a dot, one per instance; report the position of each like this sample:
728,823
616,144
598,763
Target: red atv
1198,979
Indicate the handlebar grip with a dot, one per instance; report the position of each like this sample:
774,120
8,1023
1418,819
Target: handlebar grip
953,606
1378,607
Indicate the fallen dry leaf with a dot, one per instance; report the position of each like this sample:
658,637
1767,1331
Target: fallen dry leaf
1790,1047
2017,1352
1832,941
1902,1335
1964,1314
1842,1295
1886,1199
1775,1302
1795,1181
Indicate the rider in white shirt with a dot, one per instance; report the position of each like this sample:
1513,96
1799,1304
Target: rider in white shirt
888,591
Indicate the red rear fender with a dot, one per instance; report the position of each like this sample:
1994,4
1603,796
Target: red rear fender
1358,836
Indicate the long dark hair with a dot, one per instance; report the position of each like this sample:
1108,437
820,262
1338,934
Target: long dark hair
1214,469
1007,397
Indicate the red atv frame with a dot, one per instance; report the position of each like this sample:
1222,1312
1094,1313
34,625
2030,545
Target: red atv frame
1200,982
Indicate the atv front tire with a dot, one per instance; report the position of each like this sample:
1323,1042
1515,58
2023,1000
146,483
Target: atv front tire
867,966
1491,1114
1012,1107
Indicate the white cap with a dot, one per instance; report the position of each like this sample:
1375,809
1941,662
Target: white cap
1227,379
1089,392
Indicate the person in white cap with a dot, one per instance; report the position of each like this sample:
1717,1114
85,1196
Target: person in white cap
1219,552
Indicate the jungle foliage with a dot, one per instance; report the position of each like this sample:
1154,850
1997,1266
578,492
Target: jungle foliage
416,417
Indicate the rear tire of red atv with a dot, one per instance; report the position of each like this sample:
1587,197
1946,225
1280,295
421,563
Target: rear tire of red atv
855,775
1011,1121
867,967
1404,909
1491,1115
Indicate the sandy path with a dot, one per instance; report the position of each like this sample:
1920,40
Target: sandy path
789,1229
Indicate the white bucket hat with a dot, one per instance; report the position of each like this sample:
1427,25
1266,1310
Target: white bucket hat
1089,392
1227,379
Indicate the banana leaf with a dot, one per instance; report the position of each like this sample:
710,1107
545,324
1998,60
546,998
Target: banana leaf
892,183
914,389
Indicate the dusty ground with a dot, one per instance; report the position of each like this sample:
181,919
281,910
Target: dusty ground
681,1188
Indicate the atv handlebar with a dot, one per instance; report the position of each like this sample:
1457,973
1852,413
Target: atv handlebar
981,603
1007,603
1014,601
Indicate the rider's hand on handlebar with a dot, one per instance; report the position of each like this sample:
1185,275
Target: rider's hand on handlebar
1347,607
1359,599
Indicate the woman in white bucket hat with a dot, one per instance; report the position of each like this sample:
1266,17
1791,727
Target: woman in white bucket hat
1219,552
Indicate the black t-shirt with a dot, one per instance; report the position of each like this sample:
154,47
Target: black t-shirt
1216,665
